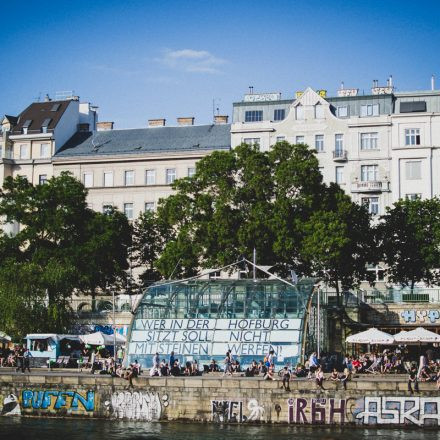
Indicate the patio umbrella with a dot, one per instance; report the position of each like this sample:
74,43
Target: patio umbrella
371,336
417,336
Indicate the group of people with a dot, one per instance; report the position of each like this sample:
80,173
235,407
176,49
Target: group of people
18,357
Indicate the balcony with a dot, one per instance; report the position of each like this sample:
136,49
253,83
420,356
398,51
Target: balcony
370,186
340,155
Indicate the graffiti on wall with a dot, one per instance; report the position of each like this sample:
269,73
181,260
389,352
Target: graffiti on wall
231,411
10,405
398,410
58,399
420,316
318,411
142,405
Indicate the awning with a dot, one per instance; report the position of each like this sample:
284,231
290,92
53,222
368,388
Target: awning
100,338
419,335
53,336
371,336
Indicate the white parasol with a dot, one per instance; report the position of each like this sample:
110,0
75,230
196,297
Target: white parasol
419,335
371,336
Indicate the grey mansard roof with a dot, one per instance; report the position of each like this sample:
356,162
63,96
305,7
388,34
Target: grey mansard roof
148,140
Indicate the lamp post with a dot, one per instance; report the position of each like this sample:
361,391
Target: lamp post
114,328
318,348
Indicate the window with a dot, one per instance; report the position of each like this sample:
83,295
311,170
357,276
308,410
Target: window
253,116
170,175
369,173
129,178
299,112
413,170
342,111
44,151
252,141
319,111
279,114
149,206
281,138
412,136
369,141
42,179
299,140
128,210
372,203
339,143
24,151
191,171
88,180
413,196
150,177
45,125
339,175
26,125
319,142
107,209
108,178
369,110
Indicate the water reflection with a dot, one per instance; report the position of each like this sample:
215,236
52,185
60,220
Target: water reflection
49,429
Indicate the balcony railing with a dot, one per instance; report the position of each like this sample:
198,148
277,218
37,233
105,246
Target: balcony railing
340,155
370,186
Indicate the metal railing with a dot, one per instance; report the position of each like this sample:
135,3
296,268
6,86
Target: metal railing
340,155
383,296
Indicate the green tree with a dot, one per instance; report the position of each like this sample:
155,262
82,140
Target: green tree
61,246
338,242
150,235
409,239
239,200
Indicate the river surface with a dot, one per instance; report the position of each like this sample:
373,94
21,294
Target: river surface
67,429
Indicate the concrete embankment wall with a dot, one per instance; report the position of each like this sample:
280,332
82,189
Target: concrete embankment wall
220,400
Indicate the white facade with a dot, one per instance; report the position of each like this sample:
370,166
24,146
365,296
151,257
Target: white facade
375,152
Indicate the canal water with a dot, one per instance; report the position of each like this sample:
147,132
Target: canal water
67,429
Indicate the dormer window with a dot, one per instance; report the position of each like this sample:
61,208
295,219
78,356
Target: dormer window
26,125
299,112
45,125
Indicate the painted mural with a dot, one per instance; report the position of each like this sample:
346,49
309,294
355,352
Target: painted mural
10,406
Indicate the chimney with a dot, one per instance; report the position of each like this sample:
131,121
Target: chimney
185,121
391,80
432,82
156,122
46,98
104,126
221,119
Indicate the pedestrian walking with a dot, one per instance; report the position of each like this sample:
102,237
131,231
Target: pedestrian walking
27,360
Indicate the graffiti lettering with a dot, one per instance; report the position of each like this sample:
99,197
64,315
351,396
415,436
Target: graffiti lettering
51,399
137,405
420,316
227,411
317,411
399,410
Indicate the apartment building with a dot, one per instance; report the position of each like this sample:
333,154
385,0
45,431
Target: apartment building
133,169
379,146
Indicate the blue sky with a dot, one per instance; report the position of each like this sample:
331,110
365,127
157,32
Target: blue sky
139,60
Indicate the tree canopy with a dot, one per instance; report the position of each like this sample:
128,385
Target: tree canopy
272,201
61,247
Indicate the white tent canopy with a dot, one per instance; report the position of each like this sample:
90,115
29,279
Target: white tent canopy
52,336
4,337
418,335
371,336
100,338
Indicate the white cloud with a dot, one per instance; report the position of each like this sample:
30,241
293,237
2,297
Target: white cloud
190,60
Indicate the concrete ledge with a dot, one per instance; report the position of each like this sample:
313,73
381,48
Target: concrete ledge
71,380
